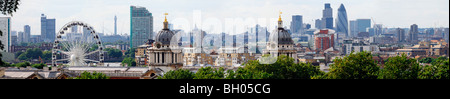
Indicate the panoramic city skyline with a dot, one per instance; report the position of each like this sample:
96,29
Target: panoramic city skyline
98,13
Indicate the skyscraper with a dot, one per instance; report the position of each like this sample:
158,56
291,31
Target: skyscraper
363,24
141,27
342,21
27,34
327,17
5,27
400,35
413,32
318,24
20,37
297,24
353,28
378,29
47,29
115,25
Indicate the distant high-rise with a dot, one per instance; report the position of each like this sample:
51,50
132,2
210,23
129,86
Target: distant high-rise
378,29
353,28
115,25
363,24
20,37
48,29
400,35
342,21
297,24
27,33
318,24
306,26
446,34
327,17
5,27
413,34
141,26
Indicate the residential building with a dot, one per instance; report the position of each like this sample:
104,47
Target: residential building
141,26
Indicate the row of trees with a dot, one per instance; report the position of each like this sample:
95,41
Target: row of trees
94,75
283,68
34,53
24,64
354,66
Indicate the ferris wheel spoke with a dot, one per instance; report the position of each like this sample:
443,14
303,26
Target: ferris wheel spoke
63,52
61,60
91,60
92,52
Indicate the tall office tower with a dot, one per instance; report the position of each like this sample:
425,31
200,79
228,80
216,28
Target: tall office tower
48,29
429,33
378,29
258,34
5,27
446,34
413,32
318,24
196,37
327,17
20,37
141,27
400,35
234,41
27,34
353,28
223,39
115,25
246,42
363,24
342,21
297,24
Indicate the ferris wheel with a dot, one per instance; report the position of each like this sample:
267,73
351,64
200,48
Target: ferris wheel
77,44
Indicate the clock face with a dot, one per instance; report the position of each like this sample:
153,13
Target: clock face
158,45
273,45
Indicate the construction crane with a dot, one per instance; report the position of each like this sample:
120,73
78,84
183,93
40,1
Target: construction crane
375,26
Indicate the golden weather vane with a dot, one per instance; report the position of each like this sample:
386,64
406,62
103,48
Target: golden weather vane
279,19
165,20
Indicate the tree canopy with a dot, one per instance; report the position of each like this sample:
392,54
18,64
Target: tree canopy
438,70
400,67
354,66
88,75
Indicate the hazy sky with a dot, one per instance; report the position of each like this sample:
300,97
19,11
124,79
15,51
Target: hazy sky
100,13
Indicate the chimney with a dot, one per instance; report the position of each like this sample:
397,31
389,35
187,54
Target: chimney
45,68
54,68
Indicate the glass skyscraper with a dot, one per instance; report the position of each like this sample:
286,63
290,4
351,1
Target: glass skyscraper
5,27
27,31
342,21
297,24
327,18
141,27
353,28
363,24
47,29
